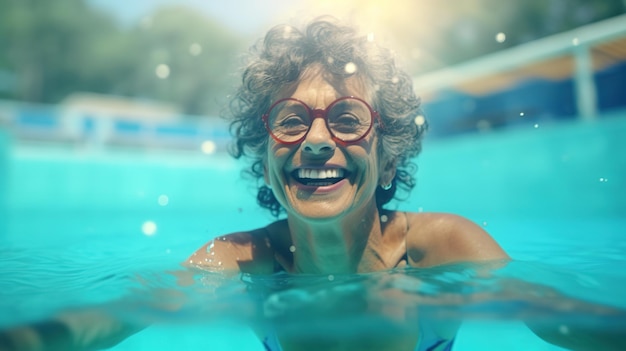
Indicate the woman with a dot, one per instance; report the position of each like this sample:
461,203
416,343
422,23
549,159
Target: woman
331,125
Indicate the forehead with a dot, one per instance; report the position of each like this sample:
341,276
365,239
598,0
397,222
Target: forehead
317,85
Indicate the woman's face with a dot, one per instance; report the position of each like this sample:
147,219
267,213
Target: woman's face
319,178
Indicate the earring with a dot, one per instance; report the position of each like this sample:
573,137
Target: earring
386,186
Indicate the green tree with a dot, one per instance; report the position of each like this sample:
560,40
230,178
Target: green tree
49,47
55,48
185,58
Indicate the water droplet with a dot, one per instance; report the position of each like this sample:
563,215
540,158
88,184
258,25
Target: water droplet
350,68
521,114
292,248
500,37
212,253
163,200
331,277
190,261
575,41
420,120
563,329
384,218
162,71
208,147
604,180
484,223
149,228
219,263
536,126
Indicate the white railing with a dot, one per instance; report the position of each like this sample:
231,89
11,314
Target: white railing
576,42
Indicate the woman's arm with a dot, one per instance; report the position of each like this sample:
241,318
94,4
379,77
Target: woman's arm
95,328
453,238
90,329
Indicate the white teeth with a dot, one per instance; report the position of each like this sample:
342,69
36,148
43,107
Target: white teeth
320,173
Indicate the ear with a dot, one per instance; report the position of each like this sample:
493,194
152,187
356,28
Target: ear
388,171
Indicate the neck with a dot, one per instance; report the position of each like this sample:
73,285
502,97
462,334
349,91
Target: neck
346,245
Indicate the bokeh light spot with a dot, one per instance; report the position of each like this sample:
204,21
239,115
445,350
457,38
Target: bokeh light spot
149,228
208,147
162,71
420,120
350,68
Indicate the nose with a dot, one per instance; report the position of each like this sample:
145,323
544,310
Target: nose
318,140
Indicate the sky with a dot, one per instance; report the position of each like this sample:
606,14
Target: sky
243,16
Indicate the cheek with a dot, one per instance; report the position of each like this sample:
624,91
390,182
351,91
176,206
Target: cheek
275,158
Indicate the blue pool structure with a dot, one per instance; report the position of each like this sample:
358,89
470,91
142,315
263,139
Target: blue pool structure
89,204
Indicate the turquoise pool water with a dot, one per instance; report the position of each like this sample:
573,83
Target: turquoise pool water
79,226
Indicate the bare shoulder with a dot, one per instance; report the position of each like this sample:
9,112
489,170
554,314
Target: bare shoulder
440,238
246,251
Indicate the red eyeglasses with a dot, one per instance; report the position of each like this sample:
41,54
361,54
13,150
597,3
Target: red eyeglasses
349,119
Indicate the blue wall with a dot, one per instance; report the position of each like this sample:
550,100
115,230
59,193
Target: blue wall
560,170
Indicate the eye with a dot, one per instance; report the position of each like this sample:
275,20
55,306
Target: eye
346,123
292,124
347,119
292,121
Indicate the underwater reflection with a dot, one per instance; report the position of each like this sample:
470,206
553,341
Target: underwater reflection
387,302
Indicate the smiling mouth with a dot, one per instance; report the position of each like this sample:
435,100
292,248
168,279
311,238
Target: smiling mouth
319,177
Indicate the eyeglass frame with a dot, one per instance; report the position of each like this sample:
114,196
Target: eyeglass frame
323,114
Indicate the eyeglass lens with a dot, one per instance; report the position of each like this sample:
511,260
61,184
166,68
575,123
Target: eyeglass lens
348,119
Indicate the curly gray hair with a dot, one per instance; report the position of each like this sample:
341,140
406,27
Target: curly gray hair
281,58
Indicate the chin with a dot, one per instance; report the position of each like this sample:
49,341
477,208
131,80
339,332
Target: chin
317,214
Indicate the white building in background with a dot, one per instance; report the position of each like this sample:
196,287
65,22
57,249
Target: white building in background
103,121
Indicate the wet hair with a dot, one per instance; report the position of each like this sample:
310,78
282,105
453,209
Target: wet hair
281,58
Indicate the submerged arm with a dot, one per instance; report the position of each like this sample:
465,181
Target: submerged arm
455,239
81,330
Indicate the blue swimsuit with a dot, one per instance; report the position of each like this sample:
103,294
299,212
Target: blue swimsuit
428,342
